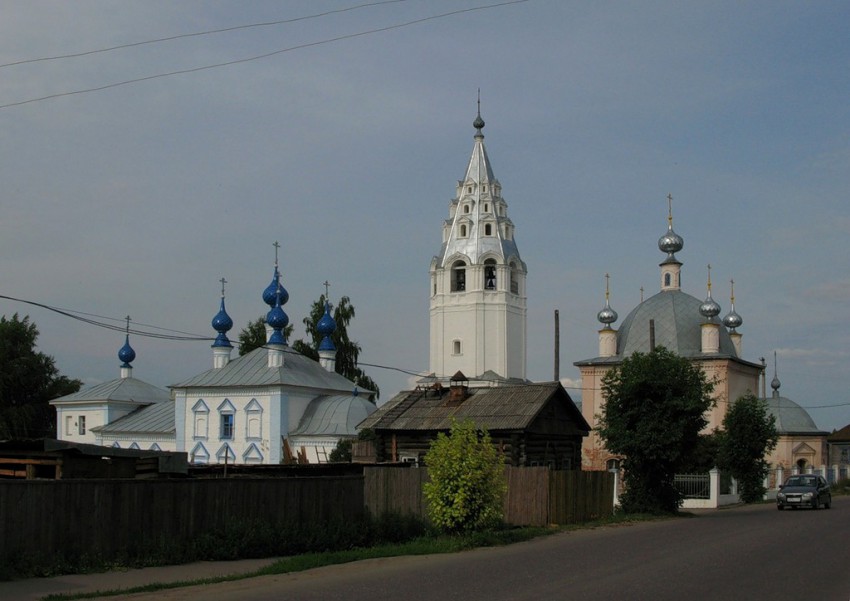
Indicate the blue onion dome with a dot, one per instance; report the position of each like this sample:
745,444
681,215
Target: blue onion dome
126,354
222,323
277,320
326,327
270,293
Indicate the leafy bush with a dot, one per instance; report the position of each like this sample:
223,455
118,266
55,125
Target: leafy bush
467,480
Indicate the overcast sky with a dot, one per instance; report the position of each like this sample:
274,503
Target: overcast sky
137,199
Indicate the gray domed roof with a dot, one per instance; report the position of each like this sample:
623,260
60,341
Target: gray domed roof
790,417
677,326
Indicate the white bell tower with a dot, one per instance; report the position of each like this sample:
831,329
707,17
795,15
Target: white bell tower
478,302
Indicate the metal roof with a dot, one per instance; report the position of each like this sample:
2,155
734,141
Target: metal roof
334,415
500,408
125,390
790,417
153,419
253,370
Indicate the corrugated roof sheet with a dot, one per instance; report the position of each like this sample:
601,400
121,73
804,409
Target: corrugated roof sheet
153,419
501,408
128,390
253,370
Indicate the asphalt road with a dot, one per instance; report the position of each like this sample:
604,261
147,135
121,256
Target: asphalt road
741,553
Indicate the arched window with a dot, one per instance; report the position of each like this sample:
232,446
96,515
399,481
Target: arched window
466,209
200,413
488,230
486,208
469,189
490,274
459,276
514,280
227,420
456,347
667,279
483,188
463,231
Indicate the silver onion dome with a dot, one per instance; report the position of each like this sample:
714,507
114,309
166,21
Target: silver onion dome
774,383
607,315
709,308
732,320
671,242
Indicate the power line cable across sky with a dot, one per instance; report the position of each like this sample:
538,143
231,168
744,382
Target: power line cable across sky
253,58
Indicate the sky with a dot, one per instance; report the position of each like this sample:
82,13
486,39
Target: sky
345,147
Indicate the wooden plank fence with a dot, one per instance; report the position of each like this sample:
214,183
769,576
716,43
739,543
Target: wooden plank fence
537,496
115,517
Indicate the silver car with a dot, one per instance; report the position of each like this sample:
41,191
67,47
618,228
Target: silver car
805,490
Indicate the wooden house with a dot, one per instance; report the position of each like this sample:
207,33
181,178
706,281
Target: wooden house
533,424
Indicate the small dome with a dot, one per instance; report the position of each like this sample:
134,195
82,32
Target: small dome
326,328
277,318
270,293
709,308
775,384
222,323
326,325
478,123
126,354
732,320
671,242
607,315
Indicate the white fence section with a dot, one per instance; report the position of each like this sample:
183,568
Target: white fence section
707,491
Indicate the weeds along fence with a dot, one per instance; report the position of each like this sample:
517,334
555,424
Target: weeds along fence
537,496
115,518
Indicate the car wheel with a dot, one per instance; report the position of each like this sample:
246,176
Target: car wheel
815,505
780,507
828,503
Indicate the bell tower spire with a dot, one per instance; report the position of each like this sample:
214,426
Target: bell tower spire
478,302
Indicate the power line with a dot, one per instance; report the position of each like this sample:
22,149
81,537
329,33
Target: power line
262,56
195,34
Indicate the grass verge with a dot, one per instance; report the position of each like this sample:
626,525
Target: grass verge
425,545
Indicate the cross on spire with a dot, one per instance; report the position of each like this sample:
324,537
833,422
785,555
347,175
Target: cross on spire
732,282
128,323
327,286
607,277
709,277
276,248
670,209
223,282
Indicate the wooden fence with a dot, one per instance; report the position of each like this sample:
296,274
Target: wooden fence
114,517
537,496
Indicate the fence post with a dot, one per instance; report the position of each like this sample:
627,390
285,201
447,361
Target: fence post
714,487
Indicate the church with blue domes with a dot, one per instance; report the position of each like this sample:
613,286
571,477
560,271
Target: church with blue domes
265,407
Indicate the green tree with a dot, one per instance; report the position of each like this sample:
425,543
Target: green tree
347,350
749,433
29,380
655,405
467,479
253,336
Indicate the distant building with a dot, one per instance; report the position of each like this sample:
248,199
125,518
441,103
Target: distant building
272,405
478,303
